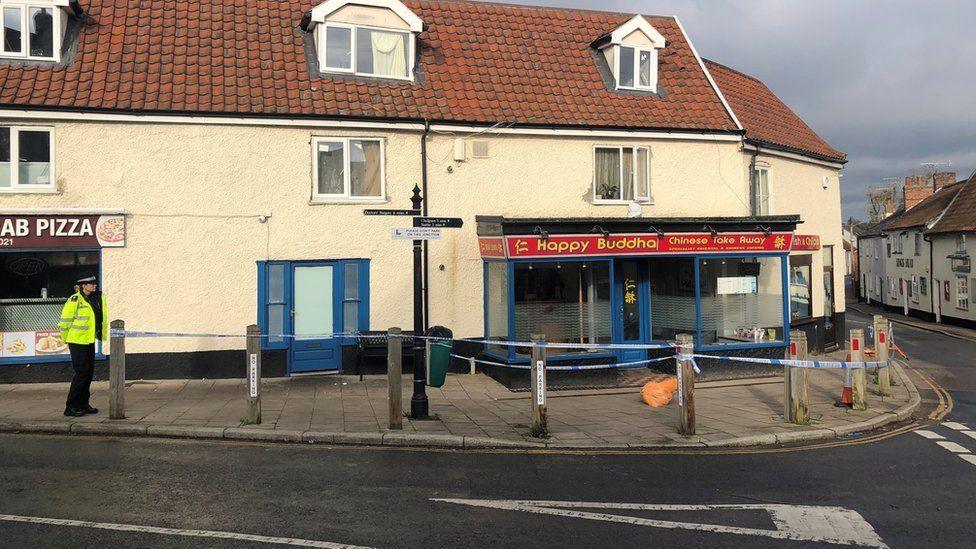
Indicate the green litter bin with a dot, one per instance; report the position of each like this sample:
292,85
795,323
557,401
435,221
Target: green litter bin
437,363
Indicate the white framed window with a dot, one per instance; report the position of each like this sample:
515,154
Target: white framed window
348,168
636,67
913,289
759,203
621,174
962,293
918,243
366,51
30,30
26,159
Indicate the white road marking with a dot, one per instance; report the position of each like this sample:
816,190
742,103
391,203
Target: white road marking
968,457
954,425
178,532
930,435
793,522
953,447
970,434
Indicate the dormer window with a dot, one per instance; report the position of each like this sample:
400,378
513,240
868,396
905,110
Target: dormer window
32,30
366,51
631,51
372,38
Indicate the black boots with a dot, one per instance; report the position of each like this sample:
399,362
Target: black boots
73,412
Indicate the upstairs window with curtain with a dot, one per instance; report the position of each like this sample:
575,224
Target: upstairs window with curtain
347,169
366,51
760,191
25,159
622,174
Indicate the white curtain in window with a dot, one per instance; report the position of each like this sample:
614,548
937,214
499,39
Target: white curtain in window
607,174
388,54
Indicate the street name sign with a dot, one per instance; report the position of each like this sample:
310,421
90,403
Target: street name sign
391,212
415,233
439,222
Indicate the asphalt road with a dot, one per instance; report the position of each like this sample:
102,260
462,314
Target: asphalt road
906,490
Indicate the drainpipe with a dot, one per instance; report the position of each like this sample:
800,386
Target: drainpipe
936,312
753,182
423,185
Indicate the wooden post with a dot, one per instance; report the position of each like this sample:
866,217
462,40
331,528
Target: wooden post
796,397
540,426
858,375
116,371
881,354
471,363
686,386
253,368
394,371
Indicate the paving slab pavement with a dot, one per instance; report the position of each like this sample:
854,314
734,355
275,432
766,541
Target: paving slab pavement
469,411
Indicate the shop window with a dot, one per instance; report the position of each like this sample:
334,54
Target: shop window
348,169
33,289
800,287
622,174
962,293
25,159
760,191
366,51
496,296
567,302
672,285
741,300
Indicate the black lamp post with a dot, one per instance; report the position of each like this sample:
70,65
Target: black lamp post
419,408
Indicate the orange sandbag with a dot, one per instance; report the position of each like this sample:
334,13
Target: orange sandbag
659,393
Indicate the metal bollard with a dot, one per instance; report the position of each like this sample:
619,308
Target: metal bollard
796,397
540,424
253,368
686,386
116,371
858,375
394,372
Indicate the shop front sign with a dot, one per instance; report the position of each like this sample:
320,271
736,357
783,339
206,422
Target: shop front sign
806,242
61,231
590,245
31,344
492,247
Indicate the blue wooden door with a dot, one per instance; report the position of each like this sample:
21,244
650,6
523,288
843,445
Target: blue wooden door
633,315
316,314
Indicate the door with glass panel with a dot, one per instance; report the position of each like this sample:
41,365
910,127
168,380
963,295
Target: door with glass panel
314,314
634,309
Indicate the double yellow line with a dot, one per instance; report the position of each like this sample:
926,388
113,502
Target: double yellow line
945,399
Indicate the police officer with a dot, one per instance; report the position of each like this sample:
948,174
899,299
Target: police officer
83,320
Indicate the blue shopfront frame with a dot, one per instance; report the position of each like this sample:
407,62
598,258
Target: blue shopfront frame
287,300
645,313
99,351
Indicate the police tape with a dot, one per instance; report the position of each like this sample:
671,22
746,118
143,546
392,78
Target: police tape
383,336
823,364
570,367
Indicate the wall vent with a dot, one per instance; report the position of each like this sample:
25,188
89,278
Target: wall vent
479,149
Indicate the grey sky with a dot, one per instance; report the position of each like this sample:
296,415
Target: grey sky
891,83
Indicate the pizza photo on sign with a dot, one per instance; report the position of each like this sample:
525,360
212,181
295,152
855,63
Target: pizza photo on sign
110,230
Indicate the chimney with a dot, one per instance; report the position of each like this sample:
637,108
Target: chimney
944,179
916,190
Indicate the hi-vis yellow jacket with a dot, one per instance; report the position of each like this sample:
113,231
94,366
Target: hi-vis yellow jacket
78,321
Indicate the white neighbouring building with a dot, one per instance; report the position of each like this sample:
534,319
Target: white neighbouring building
917,261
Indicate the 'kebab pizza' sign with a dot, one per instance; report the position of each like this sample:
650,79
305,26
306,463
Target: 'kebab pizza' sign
62,231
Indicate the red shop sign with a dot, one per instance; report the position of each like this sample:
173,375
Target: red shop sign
62,231
643,244
806,242
491,247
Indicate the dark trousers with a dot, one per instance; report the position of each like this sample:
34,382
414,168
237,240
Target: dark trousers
83,361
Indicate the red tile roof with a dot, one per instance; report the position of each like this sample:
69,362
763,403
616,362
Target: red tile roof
479,63
766,119
920,215
960,215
